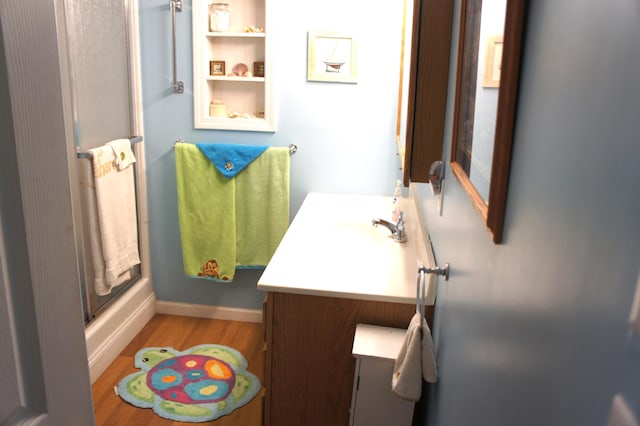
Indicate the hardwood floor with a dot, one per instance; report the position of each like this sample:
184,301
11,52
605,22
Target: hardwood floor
180,333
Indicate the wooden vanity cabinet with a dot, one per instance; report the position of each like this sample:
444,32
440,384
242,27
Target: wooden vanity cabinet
309,367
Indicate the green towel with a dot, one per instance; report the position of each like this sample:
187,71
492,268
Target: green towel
262,207
226,223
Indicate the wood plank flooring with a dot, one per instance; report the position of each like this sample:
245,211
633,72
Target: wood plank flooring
180,333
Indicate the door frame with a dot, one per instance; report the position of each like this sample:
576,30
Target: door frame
39,271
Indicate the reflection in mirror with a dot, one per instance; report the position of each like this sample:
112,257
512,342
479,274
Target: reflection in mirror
422,100
488,68
484,27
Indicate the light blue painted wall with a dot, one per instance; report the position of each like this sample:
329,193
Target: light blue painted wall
345,133
533,331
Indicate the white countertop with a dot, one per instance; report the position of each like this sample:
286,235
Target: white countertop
331,249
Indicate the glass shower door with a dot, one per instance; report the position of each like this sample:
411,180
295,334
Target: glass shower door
98,34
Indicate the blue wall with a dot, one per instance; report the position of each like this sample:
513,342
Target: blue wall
534,331
345,133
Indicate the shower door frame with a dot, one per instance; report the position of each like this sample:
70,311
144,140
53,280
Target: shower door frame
90,310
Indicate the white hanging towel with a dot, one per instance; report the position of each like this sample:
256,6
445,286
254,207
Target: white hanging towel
416,361
115,244
122,151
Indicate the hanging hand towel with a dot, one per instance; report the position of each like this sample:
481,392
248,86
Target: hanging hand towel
225,222
123,153
115,205
415,361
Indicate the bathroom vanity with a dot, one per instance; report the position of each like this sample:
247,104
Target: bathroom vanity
332,271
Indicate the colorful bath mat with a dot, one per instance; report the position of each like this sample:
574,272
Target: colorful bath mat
199,384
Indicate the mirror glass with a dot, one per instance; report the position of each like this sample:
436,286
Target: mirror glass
485,30
423,89
486,88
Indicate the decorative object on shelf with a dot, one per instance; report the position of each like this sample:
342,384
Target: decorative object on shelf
241,115
252,29
240,70
217,108
219,17
331,57
258,68
216,67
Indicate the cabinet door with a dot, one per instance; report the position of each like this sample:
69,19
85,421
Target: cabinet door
310,367
375,404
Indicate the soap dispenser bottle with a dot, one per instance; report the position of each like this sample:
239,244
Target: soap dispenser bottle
396,207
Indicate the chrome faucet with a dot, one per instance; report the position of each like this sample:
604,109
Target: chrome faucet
397,230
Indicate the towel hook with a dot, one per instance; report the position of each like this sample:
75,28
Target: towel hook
438,270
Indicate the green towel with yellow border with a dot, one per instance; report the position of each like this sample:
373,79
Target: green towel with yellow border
230,222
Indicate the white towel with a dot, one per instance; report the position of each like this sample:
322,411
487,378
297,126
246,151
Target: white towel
115,246
122,151
416,361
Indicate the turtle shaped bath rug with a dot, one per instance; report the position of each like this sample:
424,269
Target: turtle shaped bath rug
199,384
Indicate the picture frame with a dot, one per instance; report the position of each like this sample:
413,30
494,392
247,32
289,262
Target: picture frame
332,57
217,68
258,69
493,61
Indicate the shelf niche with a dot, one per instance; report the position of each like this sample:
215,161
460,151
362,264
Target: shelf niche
247,99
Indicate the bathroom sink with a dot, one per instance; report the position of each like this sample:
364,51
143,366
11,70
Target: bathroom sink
332,249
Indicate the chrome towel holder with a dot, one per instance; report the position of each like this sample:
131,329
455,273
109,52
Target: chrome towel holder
132,139
176,6
293,148
421,286
437,270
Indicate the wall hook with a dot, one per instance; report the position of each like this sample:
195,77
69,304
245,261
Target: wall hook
438,270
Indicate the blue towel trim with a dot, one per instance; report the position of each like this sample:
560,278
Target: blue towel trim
231,159
217,280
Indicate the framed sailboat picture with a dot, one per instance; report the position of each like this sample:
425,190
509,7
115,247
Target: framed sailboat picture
331,57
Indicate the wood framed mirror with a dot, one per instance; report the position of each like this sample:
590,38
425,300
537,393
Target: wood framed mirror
486,93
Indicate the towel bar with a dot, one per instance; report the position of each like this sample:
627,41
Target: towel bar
132,139
293,148
176,6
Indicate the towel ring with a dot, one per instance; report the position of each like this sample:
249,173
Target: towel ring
421,286
421,294
438,270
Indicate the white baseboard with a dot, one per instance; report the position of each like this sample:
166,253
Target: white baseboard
206,311
115,328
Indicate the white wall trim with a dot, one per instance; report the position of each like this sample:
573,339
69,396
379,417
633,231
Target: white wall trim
112,331
206,311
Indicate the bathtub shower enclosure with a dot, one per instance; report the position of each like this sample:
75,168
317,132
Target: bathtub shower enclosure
103,97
